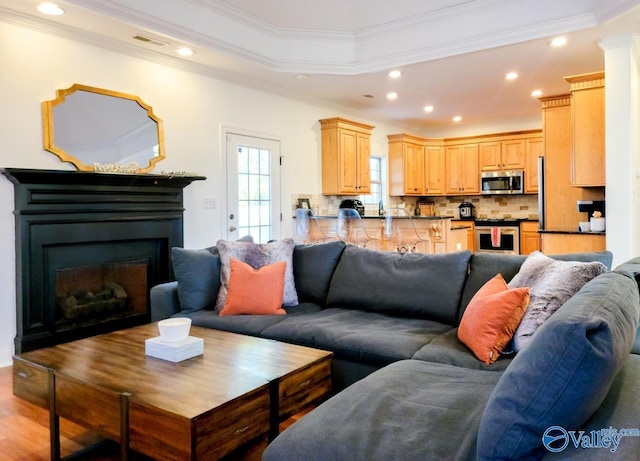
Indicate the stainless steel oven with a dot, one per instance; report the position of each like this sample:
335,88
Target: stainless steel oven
497,236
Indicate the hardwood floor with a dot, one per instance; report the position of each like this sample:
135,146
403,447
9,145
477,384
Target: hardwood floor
24,432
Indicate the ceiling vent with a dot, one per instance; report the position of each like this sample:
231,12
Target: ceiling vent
150,41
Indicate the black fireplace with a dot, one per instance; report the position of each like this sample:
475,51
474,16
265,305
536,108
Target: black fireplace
89,247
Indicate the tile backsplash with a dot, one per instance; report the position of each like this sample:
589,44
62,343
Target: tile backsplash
490,206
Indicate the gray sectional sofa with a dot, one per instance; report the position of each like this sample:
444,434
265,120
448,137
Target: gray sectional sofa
406,388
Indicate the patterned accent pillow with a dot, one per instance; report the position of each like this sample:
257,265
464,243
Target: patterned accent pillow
257,255
551,283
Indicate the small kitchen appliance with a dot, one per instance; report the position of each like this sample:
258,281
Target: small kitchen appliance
502,182
355,204
467,211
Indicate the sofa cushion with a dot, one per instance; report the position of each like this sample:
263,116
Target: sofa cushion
257,255
448,349
409,410
251,325
491,318
255,291
358,335
198,276
620,410
551,282
403,284
565,372
483,266
313,267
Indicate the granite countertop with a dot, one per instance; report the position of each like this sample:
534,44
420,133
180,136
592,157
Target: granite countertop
569,230
395,217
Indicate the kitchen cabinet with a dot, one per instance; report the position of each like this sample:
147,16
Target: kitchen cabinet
558,243
451,166
533,150
560,196
434,169
415,167
462,173
406,165
345,157
502,155
587,116
529,237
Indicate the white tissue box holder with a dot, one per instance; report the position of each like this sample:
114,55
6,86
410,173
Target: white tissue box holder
174,352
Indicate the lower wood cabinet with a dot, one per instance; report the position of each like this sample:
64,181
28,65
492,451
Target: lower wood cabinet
529,237
572,243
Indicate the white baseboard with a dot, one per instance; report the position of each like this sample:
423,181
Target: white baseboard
6,355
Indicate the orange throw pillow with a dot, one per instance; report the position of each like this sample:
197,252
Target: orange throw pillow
255,291
491,318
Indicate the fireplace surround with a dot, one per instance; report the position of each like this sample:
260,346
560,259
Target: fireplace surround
89,247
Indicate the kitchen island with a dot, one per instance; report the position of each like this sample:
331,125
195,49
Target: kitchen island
438,233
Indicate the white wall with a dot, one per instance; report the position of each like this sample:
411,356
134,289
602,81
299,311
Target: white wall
33,65
622,118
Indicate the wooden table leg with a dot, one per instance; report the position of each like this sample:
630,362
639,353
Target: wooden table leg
274,409
54,419
124,426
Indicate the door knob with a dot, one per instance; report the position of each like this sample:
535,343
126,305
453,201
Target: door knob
232,228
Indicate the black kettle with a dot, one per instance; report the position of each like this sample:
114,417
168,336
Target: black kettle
467,211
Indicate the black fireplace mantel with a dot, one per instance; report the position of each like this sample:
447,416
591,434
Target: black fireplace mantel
58,212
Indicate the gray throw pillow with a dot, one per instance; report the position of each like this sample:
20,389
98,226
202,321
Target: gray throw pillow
198,276
257,255
564,374
551,284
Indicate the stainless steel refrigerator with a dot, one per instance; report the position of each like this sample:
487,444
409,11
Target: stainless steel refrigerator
541,194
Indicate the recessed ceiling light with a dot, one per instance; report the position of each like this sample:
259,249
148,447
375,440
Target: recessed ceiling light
391,96
536,93
457,118
511,76
559,41
394,74
302,76
50,9
428,108
184,51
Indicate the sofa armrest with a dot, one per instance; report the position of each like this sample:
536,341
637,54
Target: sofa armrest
164,301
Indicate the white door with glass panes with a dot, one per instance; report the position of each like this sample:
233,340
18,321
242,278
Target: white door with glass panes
253,188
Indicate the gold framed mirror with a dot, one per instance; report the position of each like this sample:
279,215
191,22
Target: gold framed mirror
102,130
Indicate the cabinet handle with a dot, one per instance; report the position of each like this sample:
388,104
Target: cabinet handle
241,430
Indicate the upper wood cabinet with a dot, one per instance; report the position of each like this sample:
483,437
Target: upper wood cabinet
435,168
416,165
560,197
406,165
462,172
346,148
502,155
587,117
451,166
533,148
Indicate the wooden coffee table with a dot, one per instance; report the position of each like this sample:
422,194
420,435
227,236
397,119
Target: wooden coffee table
200,408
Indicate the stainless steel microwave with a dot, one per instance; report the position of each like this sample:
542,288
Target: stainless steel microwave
502,182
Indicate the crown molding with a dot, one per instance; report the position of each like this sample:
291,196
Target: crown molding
220,26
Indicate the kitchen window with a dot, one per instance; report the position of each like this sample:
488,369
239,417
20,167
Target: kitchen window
378,172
